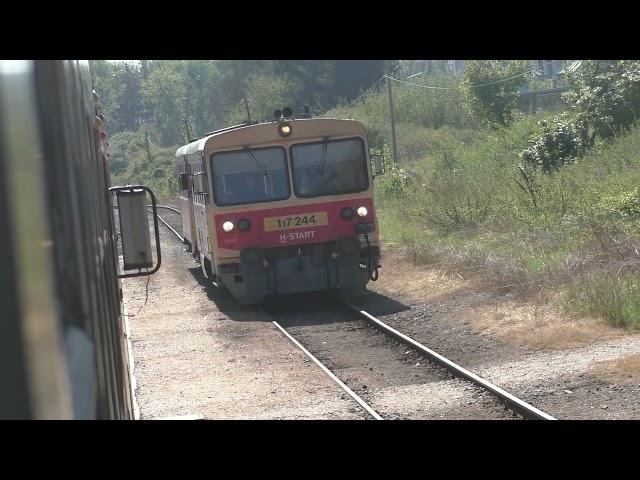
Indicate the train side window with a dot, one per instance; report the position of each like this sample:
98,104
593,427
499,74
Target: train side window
199,183
184,181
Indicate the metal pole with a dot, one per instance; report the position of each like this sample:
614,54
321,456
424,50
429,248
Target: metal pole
392,117
244,97
246,105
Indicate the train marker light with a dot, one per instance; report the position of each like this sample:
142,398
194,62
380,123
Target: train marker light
284,129
244,224
346,213
227,226
362,211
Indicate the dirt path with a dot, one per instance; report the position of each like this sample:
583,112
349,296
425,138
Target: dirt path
197,352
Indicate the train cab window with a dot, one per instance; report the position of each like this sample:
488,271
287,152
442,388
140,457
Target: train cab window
332,167
250,176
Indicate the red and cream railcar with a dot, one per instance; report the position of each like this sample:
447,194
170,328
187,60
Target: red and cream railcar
281,207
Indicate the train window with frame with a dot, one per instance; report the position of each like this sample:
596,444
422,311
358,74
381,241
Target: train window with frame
199,183
250,175
184,181
332,167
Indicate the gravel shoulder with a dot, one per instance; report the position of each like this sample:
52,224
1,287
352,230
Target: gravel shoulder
569,367
197,352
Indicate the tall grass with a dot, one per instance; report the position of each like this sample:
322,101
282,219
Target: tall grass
416,111
575,232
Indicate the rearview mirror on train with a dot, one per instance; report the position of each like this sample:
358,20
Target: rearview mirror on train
377,162
134,237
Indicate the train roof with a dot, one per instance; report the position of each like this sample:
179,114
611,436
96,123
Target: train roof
339,125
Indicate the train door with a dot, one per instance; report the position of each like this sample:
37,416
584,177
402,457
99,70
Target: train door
186,204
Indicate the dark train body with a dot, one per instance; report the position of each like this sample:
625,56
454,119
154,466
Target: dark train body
63,350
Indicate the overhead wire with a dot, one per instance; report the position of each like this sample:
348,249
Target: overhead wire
453,88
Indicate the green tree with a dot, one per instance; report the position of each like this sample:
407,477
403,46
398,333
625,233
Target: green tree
202,99
119,86
265,93
313,80
490,88
605,95
165,93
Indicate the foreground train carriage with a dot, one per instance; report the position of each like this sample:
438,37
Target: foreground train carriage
63,349
281,207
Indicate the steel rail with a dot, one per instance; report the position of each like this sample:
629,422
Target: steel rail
351,393
169,226
523,408
167,208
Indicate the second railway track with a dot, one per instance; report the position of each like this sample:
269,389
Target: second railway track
375,368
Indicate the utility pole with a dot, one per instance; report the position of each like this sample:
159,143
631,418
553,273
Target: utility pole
391,115
246,105
244,94
146,145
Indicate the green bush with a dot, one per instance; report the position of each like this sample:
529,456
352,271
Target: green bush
616,299
626,204
394,183
557,145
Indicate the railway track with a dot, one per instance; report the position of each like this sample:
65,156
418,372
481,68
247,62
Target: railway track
509,401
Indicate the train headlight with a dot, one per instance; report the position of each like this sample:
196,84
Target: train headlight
227,226
362,211
285,129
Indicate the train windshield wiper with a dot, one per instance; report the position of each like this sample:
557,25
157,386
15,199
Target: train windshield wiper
262,167
324,158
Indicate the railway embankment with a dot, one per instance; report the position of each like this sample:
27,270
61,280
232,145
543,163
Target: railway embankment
570,367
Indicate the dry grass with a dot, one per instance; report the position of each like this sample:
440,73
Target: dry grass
524,319
539,326
620,370
403,279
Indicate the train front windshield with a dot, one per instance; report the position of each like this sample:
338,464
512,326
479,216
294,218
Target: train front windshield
332,167
250,176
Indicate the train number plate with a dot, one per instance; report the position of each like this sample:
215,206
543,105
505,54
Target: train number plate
272,224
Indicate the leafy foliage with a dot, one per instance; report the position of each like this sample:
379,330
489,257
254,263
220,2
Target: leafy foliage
395,183
605,94
558,144
625,203
491,89
605,99
154,106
